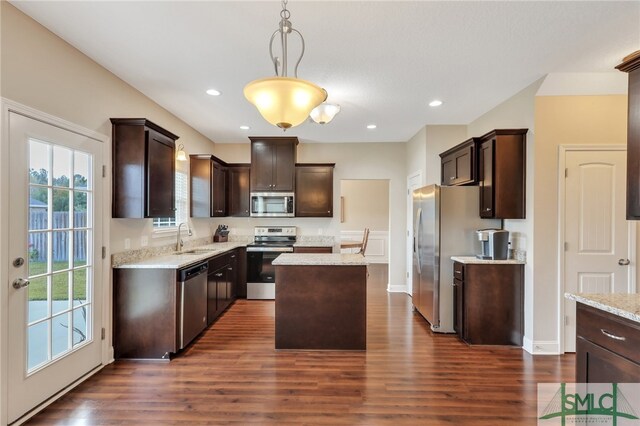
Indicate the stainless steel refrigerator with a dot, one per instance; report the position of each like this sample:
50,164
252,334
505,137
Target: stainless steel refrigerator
445,221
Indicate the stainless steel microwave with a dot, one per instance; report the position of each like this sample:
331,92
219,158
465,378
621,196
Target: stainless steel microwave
272,204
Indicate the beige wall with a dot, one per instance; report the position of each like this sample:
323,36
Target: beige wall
515,113
417,154
365,204
42,71
384,161
563,120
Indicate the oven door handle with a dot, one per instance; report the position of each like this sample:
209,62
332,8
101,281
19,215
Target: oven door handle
270,249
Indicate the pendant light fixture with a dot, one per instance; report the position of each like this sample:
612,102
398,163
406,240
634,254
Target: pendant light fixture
324,113
281,100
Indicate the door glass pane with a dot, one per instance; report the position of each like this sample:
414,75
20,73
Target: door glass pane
39,157
61,166
60,293
37,251
60,241
60,250
38,207
61,208
81,174
80,285
80,316
60,334
37,343
80,240
38,299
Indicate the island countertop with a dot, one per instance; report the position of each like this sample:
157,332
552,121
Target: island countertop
313,259
622,305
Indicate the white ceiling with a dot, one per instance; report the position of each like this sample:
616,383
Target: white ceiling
382,61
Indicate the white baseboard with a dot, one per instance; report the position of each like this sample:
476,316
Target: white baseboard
541,347
396,288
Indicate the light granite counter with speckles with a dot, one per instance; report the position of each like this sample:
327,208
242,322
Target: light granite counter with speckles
622,305
312,259
177,260
475,260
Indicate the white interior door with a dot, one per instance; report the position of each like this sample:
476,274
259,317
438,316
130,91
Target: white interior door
413,182
55,287
597,234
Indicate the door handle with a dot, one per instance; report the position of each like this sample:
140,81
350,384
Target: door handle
19,283
623,262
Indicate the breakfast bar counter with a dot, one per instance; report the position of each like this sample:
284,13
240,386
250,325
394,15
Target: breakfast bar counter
321,301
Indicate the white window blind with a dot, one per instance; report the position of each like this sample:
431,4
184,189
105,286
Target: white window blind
182,191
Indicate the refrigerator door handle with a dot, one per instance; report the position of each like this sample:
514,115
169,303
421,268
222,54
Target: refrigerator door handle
416,239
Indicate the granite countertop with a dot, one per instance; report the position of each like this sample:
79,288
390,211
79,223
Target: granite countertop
314,241
622,305
475,260
176,261
312,259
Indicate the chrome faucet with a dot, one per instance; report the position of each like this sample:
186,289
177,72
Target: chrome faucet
179,242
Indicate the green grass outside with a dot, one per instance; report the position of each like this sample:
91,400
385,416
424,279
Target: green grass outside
60,282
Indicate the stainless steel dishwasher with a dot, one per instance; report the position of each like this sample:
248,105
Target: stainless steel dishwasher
193,302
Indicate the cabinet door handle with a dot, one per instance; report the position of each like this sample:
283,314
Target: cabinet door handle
612,336
229,269
487,209
219,274
454,284
623,262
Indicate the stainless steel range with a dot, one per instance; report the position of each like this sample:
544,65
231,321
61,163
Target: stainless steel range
268,243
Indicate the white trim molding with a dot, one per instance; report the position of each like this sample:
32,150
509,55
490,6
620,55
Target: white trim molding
541,347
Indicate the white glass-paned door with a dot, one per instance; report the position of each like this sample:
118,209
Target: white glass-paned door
55,221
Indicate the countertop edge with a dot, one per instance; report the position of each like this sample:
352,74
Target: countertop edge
320,259
584,299
469,260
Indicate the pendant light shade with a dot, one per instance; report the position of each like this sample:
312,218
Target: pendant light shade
283,101
324,113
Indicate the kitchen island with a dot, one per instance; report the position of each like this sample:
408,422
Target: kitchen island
321,301
608,338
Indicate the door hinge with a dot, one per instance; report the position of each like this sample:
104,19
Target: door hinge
566,172
566,320
104,252
103,333
104,171
566,246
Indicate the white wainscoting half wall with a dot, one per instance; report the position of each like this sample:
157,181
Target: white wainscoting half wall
377,247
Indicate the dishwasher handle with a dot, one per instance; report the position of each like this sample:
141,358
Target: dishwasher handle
192,271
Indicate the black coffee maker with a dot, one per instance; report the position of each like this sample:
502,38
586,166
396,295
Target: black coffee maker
494,244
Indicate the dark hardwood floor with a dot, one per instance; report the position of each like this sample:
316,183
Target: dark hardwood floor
232,374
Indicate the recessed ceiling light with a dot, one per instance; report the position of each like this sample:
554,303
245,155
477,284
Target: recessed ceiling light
213,92
435,103
371,126
245,127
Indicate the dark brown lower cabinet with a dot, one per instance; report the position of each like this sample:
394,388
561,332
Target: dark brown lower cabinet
489,303
145,313
313,249
607,347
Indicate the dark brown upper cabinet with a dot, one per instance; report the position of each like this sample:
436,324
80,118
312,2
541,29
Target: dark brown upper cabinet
208,186
459,165
501,174
143,169
314,190
273,161
631,65
238,195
